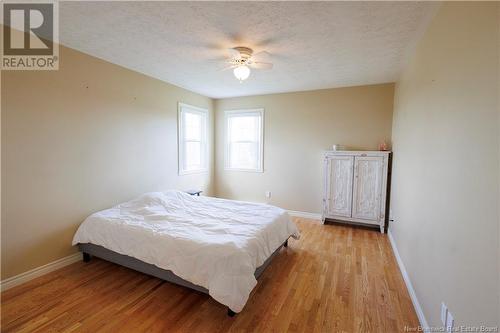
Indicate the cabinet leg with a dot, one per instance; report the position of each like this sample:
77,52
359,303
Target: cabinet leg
382,229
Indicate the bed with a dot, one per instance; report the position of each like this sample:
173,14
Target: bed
212,245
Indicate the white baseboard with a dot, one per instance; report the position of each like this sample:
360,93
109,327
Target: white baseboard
39,271
409,286
306,215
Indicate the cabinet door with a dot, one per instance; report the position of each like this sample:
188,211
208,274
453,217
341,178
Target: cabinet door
367,189
339,185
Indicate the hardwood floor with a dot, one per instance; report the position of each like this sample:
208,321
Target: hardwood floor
334,279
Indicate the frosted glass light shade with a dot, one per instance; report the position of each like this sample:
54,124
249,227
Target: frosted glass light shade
241,72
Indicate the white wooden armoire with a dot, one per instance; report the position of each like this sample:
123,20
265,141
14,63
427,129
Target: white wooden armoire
356,186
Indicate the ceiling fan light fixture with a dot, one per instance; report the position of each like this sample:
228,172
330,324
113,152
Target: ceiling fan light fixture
241,72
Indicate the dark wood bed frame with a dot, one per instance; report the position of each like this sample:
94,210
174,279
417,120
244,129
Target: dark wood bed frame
89,250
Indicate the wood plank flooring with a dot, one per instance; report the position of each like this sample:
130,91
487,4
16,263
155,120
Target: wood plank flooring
334,279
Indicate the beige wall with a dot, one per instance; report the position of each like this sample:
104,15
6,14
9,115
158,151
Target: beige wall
498,110
298,128
445,170
79,140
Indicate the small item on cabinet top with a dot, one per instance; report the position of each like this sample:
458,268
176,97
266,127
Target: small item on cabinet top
383,146
337,147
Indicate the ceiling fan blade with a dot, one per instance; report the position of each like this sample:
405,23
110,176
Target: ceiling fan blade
233,54
225,68
262,55
261,65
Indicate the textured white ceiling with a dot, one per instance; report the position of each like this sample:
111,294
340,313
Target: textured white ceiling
314,45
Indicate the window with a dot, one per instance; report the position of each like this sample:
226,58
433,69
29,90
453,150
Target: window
193,152
244,140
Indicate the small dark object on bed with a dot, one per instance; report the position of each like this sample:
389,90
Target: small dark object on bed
194,192
230,312
285,244
86,257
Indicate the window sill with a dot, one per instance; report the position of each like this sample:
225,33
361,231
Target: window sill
192,172
245,170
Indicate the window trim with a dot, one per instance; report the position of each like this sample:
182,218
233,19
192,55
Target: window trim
227,114
180,141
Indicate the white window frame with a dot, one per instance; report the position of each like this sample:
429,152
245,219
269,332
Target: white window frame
227,115
183,107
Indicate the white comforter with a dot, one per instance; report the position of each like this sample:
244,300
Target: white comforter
214,243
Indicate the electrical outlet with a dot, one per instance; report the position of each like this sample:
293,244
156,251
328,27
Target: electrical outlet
268,194
444,311
449,321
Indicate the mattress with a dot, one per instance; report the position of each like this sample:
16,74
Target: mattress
213,243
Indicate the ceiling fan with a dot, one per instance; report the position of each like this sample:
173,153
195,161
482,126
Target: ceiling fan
242,59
